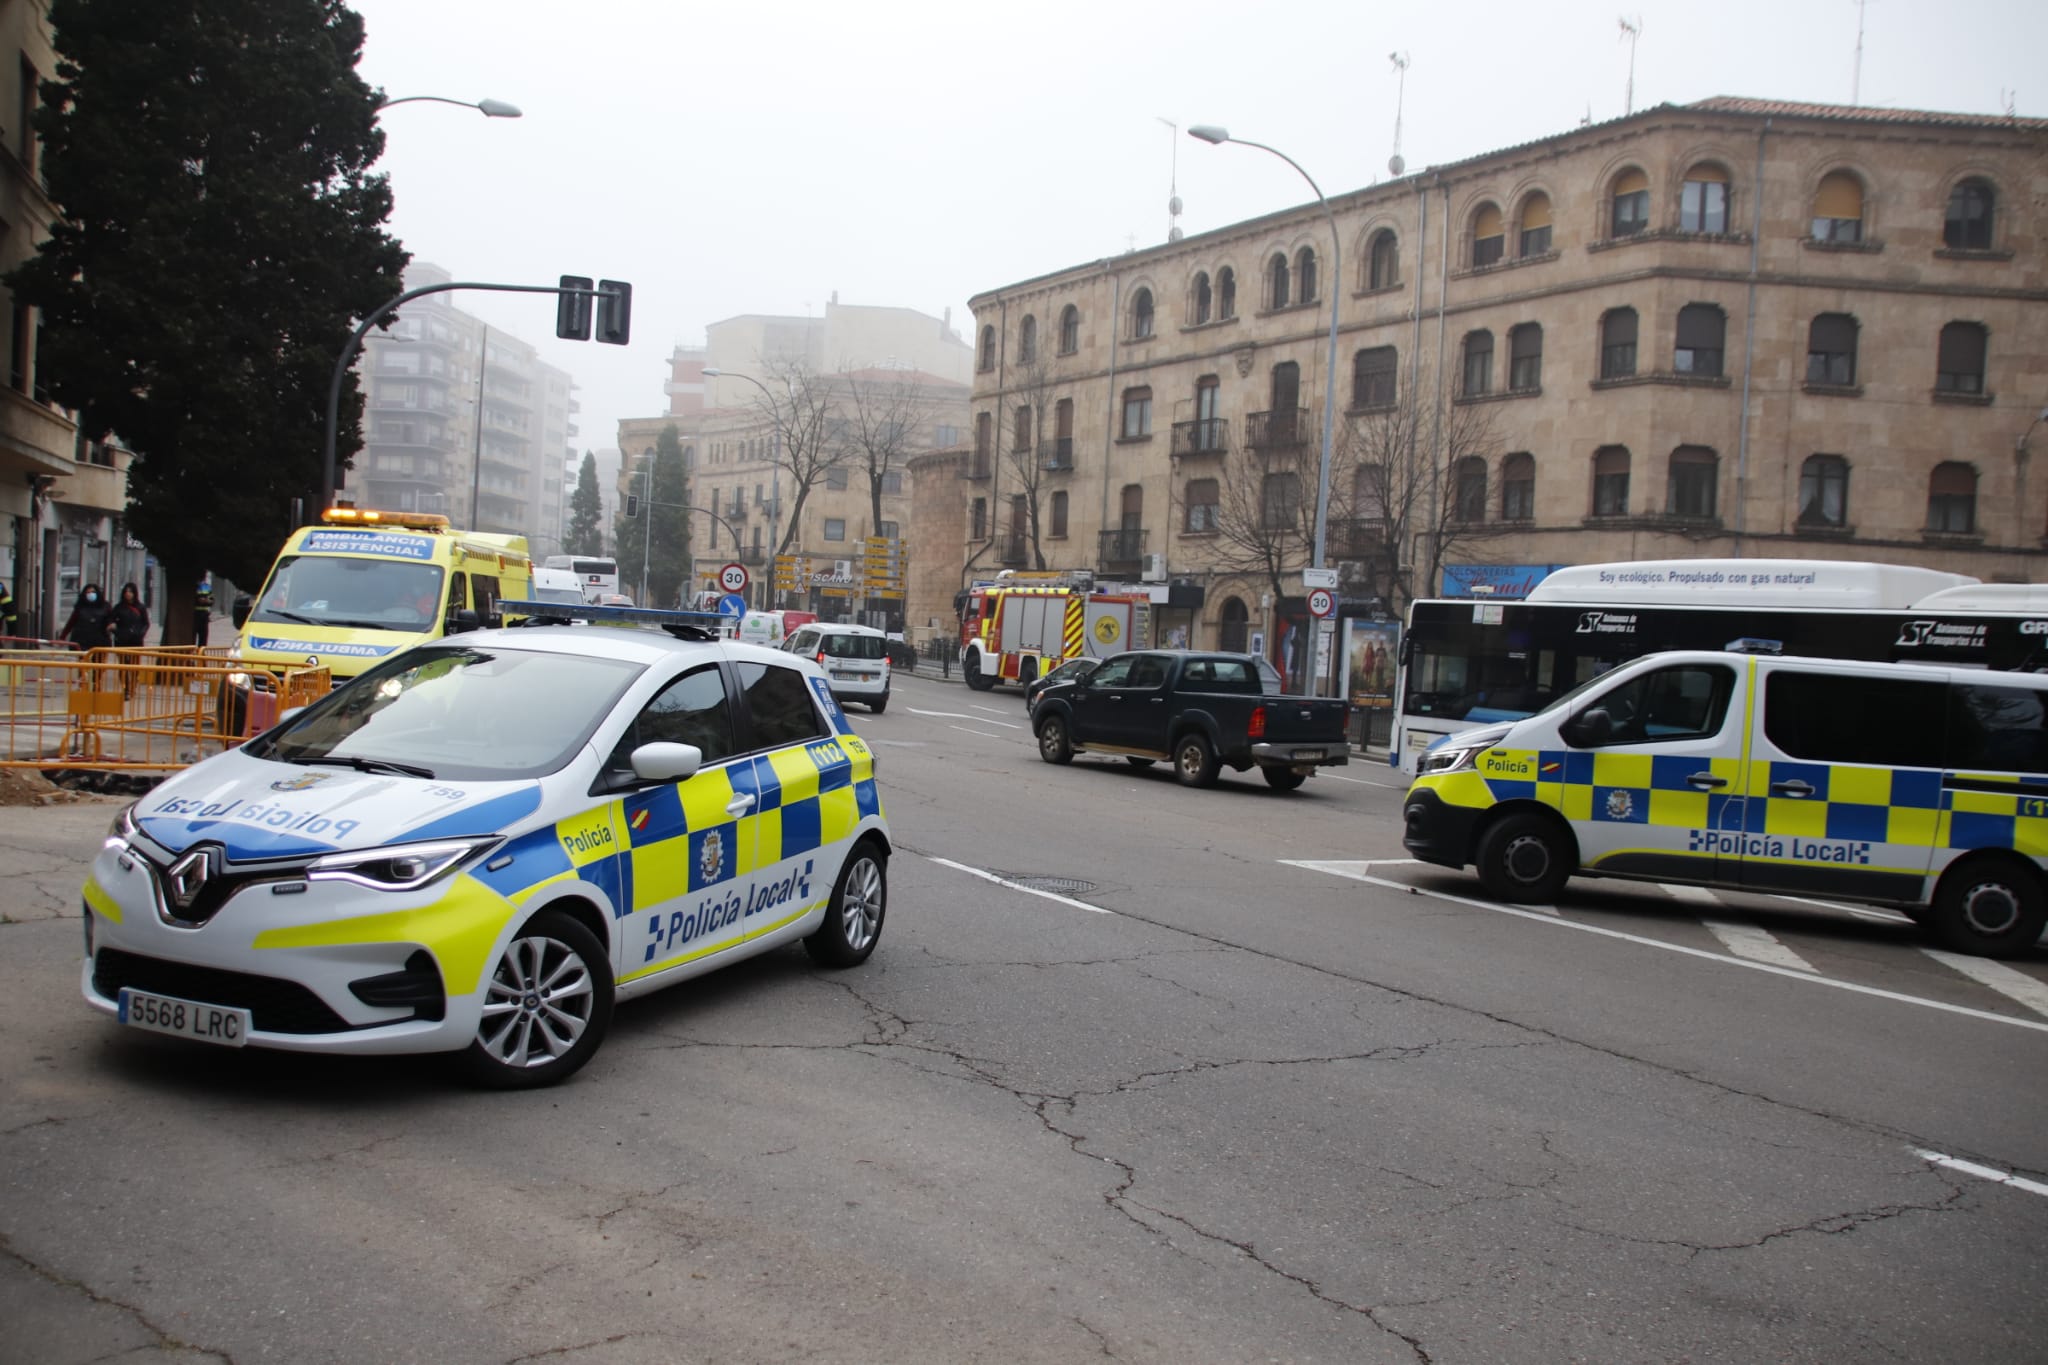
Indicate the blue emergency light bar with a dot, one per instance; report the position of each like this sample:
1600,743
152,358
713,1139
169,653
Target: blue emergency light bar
1750,644
688,625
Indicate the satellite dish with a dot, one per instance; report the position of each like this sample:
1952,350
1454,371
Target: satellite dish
1395,164
1173,234
1173,205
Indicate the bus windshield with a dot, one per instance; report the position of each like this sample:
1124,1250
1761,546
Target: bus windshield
342,590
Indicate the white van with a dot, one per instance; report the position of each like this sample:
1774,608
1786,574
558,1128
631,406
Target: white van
1899,784
855,659
557,585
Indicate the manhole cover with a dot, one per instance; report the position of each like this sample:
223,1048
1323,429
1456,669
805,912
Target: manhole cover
1059,886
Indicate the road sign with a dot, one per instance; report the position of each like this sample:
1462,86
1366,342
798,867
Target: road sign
1322,602
1319,578
732,605
733,577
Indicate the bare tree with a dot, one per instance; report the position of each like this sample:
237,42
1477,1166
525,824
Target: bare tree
809,443
1035,391
1264,515
884,416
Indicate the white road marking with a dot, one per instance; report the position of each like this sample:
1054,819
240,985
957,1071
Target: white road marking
1010,711
962,715
1995,1176
1999,977
1881,916
1014,886
965,731
1698,894
1365,782
1353,869
1547,916
1756,944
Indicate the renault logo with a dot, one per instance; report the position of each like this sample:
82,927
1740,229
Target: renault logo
187,876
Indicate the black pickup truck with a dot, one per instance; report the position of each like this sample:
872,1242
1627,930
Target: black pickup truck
1200,710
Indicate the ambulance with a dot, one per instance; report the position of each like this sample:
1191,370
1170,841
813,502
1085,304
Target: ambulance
1915,786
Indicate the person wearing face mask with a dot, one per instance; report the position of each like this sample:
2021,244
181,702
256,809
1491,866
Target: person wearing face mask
91,622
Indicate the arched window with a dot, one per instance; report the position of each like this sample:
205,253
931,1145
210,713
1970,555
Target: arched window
1631,213
1525,357
1226,293
1518,487
1702,328
1027,340
987,359
1838,208
1960,367
1204,297
1141,314
1618,343
1824,491
1610,481
1478,364
1468,480
1703,200
1280,501
1070,330
1305,275
1535,224
1373,377
1952,498
1969,222
1231,625
1489,235
1383,267
1204,504
1694,477
1831,350
1276,280
1058,530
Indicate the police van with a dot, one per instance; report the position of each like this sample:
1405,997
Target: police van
1920,787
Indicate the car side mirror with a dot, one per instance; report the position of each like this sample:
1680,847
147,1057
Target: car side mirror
1588,728
462,619
239,612
662,761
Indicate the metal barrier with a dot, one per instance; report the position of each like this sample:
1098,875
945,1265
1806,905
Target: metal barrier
149,709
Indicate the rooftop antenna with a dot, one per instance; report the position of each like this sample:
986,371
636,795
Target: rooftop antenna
1631,29
1395,165
1856,72
1173,232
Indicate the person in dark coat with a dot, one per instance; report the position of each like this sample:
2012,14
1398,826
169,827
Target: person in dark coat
90,625
10,623
131,618
202,613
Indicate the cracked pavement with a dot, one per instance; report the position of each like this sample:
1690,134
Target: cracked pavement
1255,1115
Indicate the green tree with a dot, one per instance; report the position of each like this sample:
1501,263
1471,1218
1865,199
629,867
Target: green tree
586,512
664,539
220,235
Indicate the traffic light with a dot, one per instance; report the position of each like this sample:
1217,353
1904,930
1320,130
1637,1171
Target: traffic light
632,504
572,311
614,311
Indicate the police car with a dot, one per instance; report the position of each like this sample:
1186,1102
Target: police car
483,843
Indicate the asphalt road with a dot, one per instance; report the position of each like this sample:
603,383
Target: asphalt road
1138,1073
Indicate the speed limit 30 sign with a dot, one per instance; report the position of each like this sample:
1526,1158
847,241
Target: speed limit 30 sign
1322,602
733,577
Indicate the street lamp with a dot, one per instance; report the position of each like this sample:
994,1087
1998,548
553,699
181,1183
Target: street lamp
488,108
1215,136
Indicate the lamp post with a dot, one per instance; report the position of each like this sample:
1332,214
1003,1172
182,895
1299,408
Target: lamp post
774,475
1210,133
488,108
476,463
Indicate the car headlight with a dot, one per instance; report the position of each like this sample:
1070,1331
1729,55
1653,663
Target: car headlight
398,867
1450,758
123,825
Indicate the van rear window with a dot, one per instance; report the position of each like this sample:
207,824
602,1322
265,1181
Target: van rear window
1997,729
853,646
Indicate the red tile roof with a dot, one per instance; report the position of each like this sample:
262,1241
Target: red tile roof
1852,113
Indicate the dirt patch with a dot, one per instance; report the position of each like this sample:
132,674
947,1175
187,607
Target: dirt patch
27,787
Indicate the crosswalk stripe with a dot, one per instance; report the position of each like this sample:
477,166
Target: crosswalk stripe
1747,940
1999,977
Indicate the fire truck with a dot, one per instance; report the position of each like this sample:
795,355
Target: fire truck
1021,626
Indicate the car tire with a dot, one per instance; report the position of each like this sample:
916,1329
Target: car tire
971,674
1053,744
551,985
1988,907
1137,762
1194,762
853,918
879,704
1524,859
1283,779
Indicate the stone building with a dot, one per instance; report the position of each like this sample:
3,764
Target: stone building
1736,327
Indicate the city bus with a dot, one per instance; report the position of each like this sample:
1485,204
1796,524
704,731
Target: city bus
1473,661
598,577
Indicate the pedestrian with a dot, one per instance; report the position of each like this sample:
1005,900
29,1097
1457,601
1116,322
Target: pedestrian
202,612
9,622
90,625
131,618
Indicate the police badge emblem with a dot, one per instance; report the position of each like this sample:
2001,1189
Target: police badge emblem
711,857
1619,805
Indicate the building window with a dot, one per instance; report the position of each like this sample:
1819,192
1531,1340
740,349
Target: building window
887,530
1204,297
1020,431
1468,482
1372,377
984,443
987,358
892,482
1838,208
835,528
1070,330
1968,225
1208,432
1535,224
1701,330
25,114
1226,293
978,519
1137,413
1631,204
1305,275
1059,515
1525,357
1478,364
1610,481
1824,491
1694,476
1276,280
1027,340
946,434
1383,267
1489,236
1203,504
1369,492
1831,350
835,477
1141,314
1703,200
1961,363
1518,487
1952,499
1618,344
1280,501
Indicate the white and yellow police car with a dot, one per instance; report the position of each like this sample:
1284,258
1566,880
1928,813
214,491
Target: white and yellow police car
482,843
1920,787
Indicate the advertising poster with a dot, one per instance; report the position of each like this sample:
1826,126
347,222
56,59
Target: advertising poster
1372,652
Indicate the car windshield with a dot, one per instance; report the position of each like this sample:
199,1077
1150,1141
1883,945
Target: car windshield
854,646
339,590
457,713
569,595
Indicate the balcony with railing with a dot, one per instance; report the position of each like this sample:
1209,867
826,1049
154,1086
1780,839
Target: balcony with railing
1280,429
1057,454
1203,436
1358,538
1122,550
752,555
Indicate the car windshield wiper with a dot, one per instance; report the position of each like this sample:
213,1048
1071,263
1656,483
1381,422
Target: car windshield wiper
275,614
365,765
